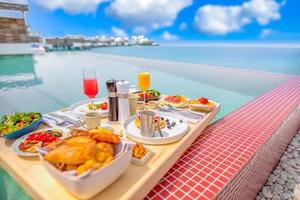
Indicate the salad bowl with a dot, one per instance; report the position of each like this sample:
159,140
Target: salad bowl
26,129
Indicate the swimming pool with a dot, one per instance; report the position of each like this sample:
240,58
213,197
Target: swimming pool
52,81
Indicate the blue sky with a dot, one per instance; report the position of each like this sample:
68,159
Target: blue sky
169,19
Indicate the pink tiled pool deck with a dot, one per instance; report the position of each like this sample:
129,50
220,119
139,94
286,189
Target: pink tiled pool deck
234,156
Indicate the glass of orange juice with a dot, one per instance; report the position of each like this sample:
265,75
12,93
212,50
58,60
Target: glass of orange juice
144,81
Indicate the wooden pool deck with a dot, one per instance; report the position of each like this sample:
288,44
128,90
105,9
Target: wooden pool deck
236,154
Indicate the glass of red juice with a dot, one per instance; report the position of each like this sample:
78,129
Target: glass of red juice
90,84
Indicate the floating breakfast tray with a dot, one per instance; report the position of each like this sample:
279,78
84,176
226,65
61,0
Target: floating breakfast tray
134,183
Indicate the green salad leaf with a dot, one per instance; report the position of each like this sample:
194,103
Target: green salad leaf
154,93
16,121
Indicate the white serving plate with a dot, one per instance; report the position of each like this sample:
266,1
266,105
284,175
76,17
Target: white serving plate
15,145
170,135
142,161
86,186
79,109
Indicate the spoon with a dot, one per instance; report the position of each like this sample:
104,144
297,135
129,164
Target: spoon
56,120
159,130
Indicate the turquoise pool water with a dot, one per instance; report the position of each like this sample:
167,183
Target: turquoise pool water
52,81
49,82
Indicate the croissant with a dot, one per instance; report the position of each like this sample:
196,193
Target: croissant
103,137
103,156
74,151
86,150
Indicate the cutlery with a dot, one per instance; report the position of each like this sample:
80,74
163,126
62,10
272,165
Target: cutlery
55,119
185,113
77,125
64,117
159,130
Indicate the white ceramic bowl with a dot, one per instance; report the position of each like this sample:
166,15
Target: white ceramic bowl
142,161
85,187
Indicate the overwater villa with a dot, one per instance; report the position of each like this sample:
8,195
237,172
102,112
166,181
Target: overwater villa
77,42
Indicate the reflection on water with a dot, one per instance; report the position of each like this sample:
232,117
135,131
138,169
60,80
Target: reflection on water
18,72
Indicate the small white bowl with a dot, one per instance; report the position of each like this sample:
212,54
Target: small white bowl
142,161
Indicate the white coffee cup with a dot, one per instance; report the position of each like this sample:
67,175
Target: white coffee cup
92,120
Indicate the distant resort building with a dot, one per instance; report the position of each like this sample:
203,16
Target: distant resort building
77,42
14,37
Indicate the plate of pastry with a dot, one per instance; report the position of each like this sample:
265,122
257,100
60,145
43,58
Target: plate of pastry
88,161
172,129
202,104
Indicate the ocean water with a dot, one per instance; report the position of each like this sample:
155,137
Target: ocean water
272,58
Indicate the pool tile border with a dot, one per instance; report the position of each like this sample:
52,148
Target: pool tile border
226,146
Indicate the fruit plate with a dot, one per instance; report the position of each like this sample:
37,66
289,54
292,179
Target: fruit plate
79,109
169,135
180,104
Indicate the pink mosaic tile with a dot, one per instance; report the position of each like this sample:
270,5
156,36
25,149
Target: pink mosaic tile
226,146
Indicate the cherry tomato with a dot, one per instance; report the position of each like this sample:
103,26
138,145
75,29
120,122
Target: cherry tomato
203,100
103,106
176,101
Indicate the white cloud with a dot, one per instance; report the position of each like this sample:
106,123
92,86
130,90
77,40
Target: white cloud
149,14
263,11
182,26
168,36
220,20
118,32
72,6
266,32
